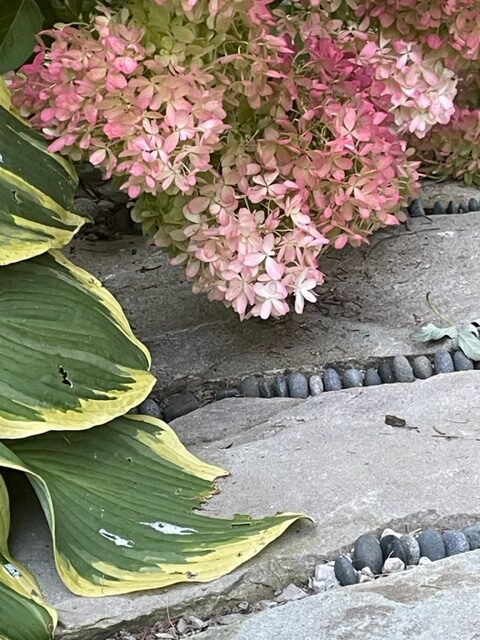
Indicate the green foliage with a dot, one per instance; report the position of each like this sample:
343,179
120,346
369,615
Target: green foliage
20,20
120,497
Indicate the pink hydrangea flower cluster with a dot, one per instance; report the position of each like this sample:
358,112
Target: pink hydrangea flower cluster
248,152
420,90
451,28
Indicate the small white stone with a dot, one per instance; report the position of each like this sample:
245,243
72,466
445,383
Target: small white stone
389,532
393,565
366,571
323,579
424,560
292,592
363,578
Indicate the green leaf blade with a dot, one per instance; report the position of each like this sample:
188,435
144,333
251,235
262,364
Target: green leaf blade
24,615
36,193
20,21
121,500
69,358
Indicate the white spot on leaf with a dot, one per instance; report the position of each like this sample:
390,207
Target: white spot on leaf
12,570
120,542
169,529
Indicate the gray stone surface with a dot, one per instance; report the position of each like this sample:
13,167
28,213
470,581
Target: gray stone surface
372,299
436,601
318,456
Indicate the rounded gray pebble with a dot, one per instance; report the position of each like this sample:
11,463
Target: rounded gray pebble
249,387
461,362
331,380
368,553
473,204
422,367
344,571
150,408
352,378
180,404
316,385
431,545
281,387
455,542
463,208
402,369
416,209
297,385
473,534
412,548
372,378
451,207
438,208
266,389
385,372
442,362
392,547
229,392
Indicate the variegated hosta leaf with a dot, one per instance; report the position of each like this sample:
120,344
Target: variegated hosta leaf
23,613
119,499
69,357
36,192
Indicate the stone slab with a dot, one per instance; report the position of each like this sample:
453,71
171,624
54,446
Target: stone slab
372,300
436,601
332,457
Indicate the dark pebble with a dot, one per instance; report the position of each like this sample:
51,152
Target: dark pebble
367,553
476,364
297,385
281,387
392,547
451,207
229,392
352,378
438,208
422,367
455,542
372,378
402,369
412,548
150,408
442,362
473,534
249,387
473,205
385,372
316,385
461,362
266,389
416,209
344,571
431,544
331,380
463,208
180,404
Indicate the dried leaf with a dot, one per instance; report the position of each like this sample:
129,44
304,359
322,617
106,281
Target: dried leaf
469,341
431,332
